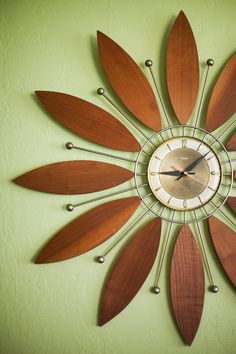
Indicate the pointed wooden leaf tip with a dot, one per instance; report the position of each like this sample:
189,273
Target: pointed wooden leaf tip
182,68
187,285
224,240
88,121
130,270
88,230
223,99
74,177
128,82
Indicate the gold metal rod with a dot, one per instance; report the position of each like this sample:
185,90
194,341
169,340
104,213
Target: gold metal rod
210,62
204,253
101,258
70,146
156,288
149,64
101,92
71,207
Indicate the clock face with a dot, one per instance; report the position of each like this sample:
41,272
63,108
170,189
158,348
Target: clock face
188,176
184,173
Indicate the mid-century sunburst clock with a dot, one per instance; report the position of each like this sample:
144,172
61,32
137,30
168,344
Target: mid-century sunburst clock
183,174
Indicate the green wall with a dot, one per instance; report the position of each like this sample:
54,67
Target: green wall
51,45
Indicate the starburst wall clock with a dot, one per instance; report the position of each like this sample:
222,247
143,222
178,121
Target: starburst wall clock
182,177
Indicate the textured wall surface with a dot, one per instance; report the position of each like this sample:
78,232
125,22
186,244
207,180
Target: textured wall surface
51,45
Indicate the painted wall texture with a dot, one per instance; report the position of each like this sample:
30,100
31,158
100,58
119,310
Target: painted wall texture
51,45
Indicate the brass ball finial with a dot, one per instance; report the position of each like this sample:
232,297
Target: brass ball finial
156,290
148,63
100,91
69,146
101,259
214,289
210,62
70,207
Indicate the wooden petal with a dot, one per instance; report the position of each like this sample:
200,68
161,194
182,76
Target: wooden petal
182,68
232,203
88,121
88,230
223,99
187,285
74,177
130,271
129,82
224,240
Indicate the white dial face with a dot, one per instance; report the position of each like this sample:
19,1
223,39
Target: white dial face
184,173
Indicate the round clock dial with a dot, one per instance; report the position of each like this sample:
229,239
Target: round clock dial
184,173
188,175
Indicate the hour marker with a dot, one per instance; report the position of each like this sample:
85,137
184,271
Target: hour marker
158,158
211,188
185,204
199,146
153,173
168,146
157,189
200,200
210,158
169,200
184,143
213,173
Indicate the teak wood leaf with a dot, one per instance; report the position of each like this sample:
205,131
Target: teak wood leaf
88,230
187,284
74,177
223,99
129,82
224,240
182,68
88,120
130,271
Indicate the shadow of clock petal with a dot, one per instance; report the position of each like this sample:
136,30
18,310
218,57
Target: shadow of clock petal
222,103
182,68
128,82
88,230
74,177
187,284
129,271
224,241
87,120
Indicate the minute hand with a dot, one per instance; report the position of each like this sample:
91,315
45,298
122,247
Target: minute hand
193,164
173,173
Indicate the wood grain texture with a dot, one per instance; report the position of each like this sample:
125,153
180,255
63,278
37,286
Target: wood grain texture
182,68
187,284
130,271
88,120
224,240
231,201
74,177
129,82
88,230
223,99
